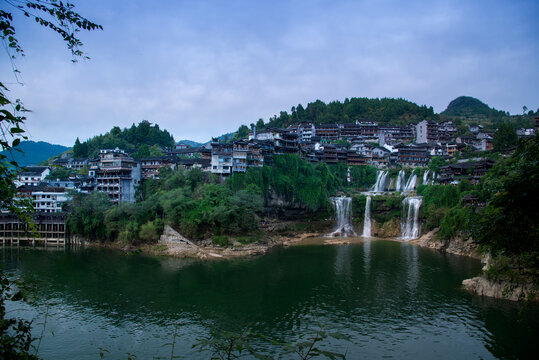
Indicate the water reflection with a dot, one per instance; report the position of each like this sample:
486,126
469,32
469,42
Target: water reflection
393,299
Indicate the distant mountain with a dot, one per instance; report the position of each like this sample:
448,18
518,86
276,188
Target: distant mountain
190,143
468,106
35,152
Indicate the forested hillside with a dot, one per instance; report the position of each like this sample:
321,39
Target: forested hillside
129,140
469,106
384,111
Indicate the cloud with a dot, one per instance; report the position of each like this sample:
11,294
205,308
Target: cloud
203,68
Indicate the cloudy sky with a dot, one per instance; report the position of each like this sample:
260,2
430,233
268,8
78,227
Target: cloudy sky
202,68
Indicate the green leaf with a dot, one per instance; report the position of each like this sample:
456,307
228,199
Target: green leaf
16,130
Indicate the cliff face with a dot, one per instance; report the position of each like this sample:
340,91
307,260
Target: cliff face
459,245
388,229
277,207
500,289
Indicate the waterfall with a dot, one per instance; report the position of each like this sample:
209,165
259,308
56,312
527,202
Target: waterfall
343,207
401,180
410,217
367,219
380,184
426,177
410,184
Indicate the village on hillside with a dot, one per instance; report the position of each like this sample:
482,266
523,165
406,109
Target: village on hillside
118,174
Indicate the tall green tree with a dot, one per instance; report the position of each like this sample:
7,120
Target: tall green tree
504,137
509,222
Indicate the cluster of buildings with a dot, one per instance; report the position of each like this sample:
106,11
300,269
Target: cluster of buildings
117,174
359,143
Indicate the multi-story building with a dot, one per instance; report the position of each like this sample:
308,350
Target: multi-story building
188,164
306,131
380,157
32,175
330,154
413,155
354,158
150,166
328,132
426,131
396,134
240,150
469,170
77,163
255,156
45,198
221,158
368,128
446,131
285,143
116,174
349,130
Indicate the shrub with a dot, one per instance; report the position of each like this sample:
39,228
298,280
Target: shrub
220,240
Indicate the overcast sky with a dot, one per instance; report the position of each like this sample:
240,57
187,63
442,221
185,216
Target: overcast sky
202,68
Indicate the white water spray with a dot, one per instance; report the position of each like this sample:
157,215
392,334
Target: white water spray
410,217
410,184
367,219
343,211
426,177
401,180
380,184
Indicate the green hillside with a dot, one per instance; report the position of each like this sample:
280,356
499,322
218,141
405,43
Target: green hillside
142,135
467,106
35,152
384,111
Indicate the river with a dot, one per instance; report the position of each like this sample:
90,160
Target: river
392,299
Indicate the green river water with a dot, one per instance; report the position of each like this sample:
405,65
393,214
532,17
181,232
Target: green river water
393,300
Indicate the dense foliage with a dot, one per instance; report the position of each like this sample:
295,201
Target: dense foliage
199,206
302,183
443,207
509,222
292,179
504,137
384,111
129,140
191,201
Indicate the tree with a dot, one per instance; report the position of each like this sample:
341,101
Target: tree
61,19
243,132
435,163
509,222
504,137
16,337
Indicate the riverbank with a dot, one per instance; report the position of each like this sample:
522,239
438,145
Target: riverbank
274,233
459,245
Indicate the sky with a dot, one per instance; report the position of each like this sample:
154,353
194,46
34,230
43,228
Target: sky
202,68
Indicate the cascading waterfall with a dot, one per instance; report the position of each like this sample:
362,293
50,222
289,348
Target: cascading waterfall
410,217
426,177
401,181
343,207
367,219
380,184
410,184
